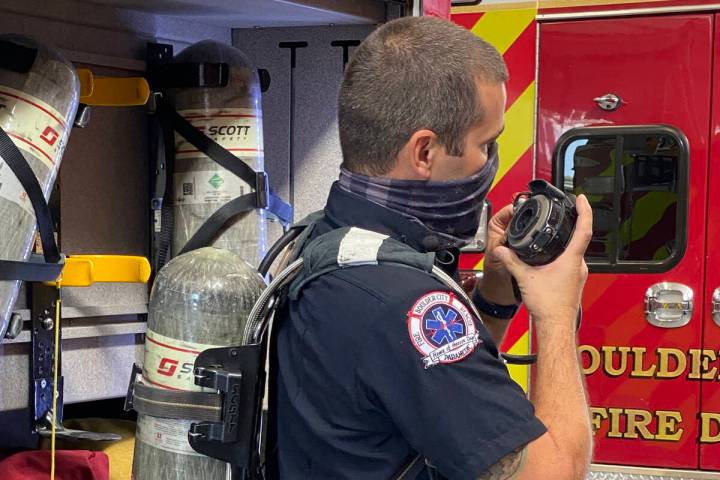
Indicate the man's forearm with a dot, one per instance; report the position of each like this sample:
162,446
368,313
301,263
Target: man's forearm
559,394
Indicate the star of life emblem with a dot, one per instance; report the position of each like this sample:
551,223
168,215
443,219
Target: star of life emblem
442,329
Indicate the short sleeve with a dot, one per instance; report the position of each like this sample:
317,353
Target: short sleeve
433,368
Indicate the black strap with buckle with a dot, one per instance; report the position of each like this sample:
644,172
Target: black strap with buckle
38,268
188,75
163,75
262,196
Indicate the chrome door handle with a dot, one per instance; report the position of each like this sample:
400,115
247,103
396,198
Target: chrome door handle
609,102
716,306
669,305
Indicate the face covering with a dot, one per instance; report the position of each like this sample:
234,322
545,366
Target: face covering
451,209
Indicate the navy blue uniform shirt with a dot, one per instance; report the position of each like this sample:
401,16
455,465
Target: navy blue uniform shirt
355,396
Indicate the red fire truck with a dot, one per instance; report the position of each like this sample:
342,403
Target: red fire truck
616,99
621,101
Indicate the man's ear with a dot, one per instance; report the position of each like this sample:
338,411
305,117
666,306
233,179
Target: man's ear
423,149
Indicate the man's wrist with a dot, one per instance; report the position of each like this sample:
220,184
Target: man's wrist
497,289
487,307
552,324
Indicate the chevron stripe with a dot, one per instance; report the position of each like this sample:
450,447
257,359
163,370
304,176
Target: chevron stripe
520,60
590,3
518,136
504,6
502,28
467,20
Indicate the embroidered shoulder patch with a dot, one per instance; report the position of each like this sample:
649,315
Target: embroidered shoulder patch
442,329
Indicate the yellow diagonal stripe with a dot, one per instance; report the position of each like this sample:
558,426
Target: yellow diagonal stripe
519,373
483,7
502,28
518,135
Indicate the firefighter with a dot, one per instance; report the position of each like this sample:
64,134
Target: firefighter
379,364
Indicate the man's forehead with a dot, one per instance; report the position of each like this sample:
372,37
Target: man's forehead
492,97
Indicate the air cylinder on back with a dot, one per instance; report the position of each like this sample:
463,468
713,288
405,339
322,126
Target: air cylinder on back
37,110
231,116
199,300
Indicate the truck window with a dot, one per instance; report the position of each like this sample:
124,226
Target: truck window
636,179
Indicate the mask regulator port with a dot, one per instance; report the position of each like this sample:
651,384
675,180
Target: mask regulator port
543,223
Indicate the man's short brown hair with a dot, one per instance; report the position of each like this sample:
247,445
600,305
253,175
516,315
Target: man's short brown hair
411,74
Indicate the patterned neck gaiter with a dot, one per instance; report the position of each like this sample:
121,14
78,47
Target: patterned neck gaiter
451,209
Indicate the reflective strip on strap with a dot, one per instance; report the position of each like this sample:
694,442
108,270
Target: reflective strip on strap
360,247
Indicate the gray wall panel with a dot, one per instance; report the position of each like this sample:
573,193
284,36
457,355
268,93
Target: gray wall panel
316,149
104,188
104,175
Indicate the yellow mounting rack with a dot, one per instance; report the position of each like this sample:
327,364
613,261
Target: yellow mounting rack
112,91
84,270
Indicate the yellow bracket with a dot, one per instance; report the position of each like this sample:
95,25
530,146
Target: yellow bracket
112,91
84,270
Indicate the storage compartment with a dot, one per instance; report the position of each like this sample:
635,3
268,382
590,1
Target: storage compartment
105,177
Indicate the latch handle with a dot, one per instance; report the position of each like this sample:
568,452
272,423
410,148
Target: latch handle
609,102
716,306
669,305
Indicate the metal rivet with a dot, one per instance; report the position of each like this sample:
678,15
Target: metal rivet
47,323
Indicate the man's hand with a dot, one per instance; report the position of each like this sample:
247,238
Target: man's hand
551,292
496,286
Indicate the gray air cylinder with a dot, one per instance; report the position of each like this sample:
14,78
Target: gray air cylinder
37,110
200,300
232,117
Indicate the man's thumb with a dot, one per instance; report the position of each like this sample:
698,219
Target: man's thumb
510,261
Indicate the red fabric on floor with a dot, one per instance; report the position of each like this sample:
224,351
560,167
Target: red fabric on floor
69,465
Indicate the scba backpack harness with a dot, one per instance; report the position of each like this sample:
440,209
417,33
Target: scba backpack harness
229,423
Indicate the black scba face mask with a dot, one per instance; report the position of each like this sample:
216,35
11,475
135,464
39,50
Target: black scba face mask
451,209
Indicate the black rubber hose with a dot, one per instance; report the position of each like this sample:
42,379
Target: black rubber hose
278,247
